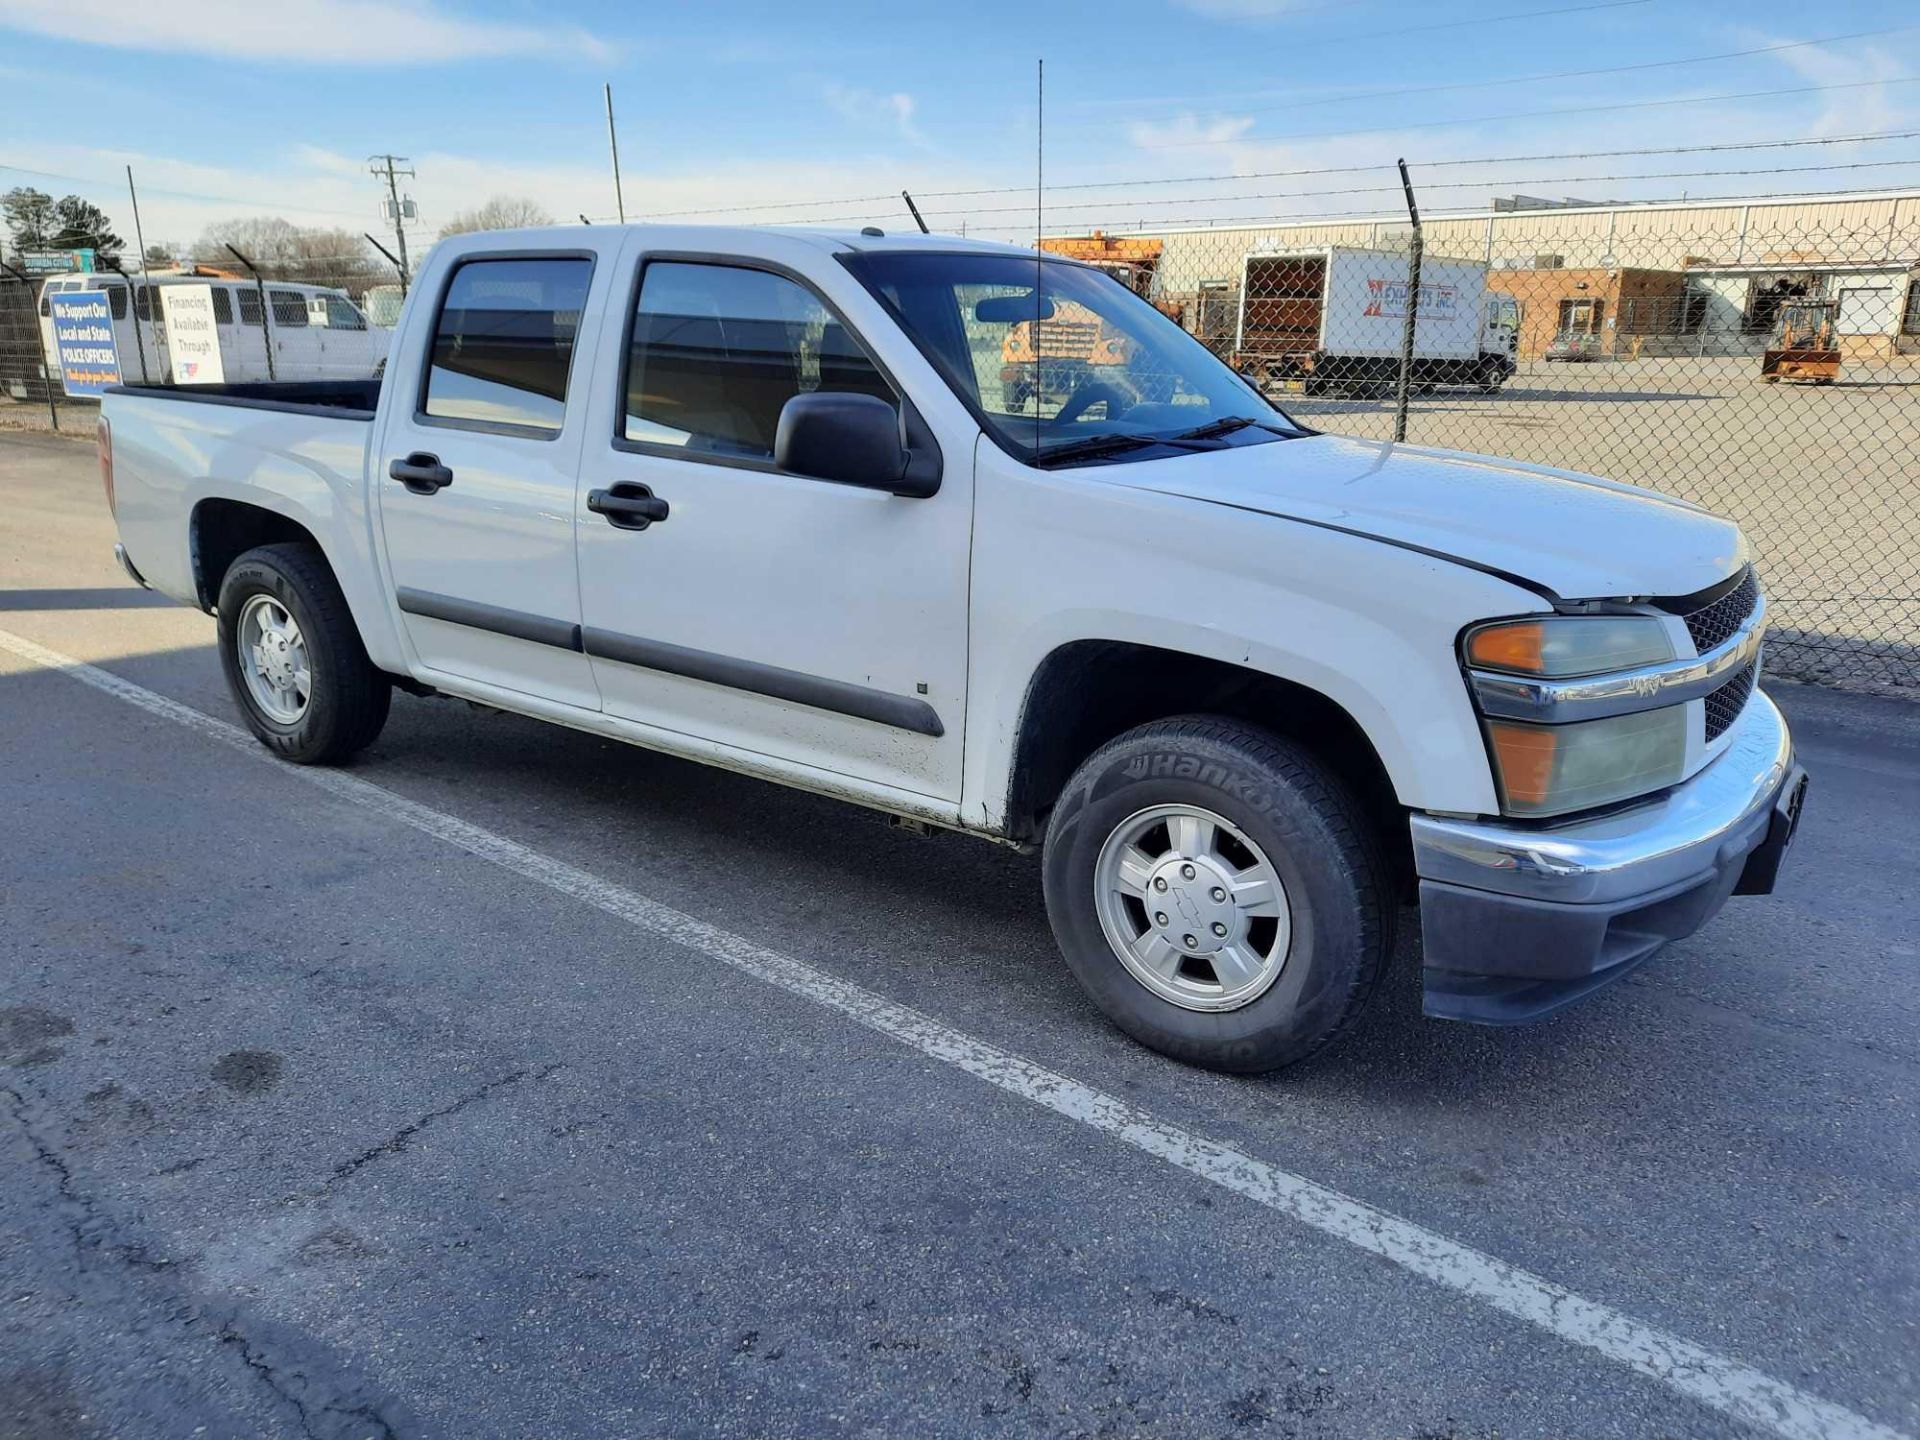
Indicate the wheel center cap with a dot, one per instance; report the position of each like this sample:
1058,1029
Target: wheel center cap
1183,890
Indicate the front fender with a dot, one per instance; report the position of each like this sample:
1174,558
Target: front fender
1372,627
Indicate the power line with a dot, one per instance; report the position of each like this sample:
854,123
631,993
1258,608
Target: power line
1724,147
254,203
1549,180
1564,74
1532,114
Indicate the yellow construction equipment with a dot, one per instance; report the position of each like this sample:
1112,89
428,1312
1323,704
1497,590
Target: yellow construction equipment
1804,349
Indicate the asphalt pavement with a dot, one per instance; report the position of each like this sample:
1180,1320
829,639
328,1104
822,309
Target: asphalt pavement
428,1104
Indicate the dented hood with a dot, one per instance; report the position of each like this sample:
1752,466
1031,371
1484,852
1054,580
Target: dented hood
1576,535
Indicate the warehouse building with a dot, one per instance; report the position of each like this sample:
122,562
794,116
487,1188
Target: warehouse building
1658,277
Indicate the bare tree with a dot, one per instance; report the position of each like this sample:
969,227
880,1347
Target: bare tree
502,212
285,251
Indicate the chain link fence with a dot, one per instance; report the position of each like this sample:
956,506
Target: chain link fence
1760,359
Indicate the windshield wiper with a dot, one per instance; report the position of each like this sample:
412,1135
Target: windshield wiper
1095,446
1213,429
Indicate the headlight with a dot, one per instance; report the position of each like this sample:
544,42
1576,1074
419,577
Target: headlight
1554,769
1561,646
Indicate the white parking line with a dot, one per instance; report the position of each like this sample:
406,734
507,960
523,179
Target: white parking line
1740,1391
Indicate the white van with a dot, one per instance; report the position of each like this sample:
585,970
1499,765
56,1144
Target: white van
317,332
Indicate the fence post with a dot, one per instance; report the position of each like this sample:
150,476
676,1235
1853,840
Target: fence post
133,309
1413,311
260,288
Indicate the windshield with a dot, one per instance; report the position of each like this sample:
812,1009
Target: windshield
1063,364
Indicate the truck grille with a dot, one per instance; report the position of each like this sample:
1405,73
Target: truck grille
1712,625
1725,704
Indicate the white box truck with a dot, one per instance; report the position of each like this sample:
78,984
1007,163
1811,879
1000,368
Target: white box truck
1332,318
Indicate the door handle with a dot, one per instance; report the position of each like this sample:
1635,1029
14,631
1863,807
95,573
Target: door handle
627,506
421,473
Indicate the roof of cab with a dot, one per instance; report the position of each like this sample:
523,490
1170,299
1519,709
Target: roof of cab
747,237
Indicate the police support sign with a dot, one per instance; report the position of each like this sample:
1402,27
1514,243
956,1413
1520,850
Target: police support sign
84,341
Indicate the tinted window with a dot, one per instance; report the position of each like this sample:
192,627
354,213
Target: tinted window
289,308
342,316
222,305
142,303
718,349
249,306
117,302
503,344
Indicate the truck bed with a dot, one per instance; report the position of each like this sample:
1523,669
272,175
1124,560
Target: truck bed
336,399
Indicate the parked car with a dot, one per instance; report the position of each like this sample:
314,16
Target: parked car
316,331
754,498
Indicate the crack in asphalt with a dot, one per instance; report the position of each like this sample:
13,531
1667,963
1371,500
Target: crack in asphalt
323,1403
398,1142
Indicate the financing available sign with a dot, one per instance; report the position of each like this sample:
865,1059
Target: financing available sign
1388,298
83,340
193,345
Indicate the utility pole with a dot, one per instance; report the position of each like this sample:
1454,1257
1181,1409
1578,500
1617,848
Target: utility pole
392,167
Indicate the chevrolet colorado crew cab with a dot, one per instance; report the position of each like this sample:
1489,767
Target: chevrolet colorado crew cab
768,499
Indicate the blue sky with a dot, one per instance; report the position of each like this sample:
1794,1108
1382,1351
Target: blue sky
231,107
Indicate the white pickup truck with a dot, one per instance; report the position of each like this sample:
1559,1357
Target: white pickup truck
765,499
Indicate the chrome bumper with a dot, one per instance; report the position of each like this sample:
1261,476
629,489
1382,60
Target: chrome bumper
1519,920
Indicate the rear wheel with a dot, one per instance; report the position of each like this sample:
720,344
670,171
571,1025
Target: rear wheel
293,660
1218,893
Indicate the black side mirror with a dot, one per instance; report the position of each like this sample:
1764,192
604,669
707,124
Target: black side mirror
854,439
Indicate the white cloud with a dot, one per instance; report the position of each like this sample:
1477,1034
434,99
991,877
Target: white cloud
893,110
331,32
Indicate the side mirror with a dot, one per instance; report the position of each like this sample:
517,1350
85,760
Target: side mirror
854,439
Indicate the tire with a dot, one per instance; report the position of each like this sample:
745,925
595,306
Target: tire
1281,806
345,702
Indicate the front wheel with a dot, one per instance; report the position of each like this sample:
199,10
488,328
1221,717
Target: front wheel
293,658
1218,893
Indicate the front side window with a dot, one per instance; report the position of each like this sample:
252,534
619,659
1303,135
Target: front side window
503,344
117,302
719,349
249,306
222,305
342,316
1063,364
289,308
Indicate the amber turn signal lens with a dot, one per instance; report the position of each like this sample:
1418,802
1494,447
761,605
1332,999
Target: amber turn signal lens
1524,755
1509,647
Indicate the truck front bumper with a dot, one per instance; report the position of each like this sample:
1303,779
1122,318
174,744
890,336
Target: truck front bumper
1519,920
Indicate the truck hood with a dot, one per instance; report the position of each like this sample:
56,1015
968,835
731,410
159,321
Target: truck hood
1576,535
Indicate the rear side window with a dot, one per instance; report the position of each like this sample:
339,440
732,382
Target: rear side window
222,305
142,303
117,302
289,308
719,349
249,306
503,343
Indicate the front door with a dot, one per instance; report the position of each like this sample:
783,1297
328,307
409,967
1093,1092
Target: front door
476,473
774,613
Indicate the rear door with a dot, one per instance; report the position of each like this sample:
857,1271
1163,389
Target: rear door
485,415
